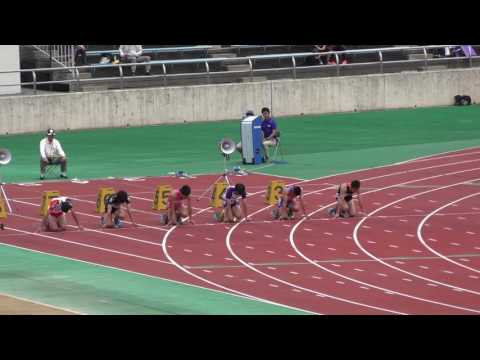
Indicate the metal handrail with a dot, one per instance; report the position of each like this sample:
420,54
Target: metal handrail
154,50
250,59
380,58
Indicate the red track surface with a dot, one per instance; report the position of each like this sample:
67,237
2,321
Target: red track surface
418,251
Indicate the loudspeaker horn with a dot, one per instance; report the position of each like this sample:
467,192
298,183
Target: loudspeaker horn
227,146
5,156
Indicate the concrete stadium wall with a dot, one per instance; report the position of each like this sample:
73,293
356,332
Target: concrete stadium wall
9,61
137,107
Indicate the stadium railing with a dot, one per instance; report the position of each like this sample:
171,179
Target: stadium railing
292,69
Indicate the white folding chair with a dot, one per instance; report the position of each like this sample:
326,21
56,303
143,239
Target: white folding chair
52,170
278,149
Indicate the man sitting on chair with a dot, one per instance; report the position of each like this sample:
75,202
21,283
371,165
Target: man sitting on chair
270,132
51,153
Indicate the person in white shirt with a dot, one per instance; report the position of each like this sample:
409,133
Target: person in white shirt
133,54
51,153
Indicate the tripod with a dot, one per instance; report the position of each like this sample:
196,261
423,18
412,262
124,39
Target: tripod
224,176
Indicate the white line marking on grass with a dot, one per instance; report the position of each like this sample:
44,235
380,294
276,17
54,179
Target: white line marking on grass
42,304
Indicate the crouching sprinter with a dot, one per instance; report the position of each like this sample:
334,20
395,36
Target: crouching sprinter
346,204
289,204
115,207
179,206
234,205
56,219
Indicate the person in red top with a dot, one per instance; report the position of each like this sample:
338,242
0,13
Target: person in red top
55,220
176,207
289,203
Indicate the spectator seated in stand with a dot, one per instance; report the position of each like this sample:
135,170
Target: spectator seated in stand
341,57
133,54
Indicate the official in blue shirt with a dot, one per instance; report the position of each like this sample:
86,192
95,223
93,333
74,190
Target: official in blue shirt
269,128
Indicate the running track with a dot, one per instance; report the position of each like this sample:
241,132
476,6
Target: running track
418,251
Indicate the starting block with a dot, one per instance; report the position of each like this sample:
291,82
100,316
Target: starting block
274,191
102,197
160,201
219,189
46,198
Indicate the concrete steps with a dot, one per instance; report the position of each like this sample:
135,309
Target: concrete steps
252,79
239,67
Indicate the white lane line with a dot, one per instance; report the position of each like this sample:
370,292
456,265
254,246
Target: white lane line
422,241
229,276
88,246
355,280
454,244
359,224
228,243
209,239
228,290
470,233
273,285
393,246
268,236
248,232
332,249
